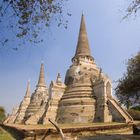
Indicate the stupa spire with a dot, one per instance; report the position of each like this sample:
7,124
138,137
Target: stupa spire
41,81
28,90
83,44
58,79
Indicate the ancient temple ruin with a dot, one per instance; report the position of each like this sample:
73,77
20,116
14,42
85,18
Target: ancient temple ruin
85,97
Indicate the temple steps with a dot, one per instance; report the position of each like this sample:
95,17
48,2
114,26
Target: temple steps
122,111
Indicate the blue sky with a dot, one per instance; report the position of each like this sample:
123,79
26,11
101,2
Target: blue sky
111,40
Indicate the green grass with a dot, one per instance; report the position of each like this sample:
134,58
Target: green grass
4,135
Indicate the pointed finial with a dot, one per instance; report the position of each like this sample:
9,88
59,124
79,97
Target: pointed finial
58,79
82,45
41,81
100,73
28,89
82,13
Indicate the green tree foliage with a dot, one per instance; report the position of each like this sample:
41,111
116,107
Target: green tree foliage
2,114
29,17
128,88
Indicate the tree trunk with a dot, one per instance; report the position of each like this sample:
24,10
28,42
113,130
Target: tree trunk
59,130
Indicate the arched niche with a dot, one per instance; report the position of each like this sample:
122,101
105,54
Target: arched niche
108,89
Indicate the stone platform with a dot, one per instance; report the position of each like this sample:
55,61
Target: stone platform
43,132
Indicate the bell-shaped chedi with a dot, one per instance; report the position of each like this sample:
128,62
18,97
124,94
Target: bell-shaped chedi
23,106
39,96
78,102
87,97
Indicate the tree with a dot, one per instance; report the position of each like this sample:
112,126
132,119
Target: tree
2,114
29,17
133,7
128,88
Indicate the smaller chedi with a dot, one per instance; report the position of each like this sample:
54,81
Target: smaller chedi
85,97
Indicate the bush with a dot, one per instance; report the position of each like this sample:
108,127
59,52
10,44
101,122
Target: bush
136,108
2,114
134,113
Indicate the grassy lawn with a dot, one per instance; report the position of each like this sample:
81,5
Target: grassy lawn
4,135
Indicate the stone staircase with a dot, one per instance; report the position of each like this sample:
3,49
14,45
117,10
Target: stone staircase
35,119
51,111
122,111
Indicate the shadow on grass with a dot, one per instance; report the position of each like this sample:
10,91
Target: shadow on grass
113,137
14,132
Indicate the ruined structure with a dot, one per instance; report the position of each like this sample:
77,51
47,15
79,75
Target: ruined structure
86,96
11,117
38,99
23,106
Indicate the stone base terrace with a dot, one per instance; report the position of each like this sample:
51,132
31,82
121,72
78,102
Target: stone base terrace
48,132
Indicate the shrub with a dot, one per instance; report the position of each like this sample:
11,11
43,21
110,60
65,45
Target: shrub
2,114
134,113
136,108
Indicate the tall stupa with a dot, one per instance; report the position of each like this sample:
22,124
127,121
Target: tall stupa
88,96
85,97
